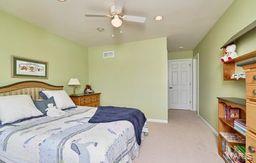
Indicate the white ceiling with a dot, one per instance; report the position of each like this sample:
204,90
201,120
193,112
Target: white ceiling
185,21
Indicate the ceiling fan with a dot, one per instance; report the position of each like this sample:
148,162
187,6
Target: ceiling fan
117,15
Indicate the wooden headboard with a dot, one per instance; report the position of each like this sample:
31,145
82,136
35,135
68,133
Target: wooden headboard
27,87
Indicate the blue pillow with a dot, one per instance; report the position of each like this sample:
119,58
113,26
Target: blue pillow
43,104
41,94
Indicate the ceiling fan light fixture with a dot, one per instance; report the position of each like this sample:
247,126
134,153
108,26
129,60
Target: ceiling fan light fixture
159,18
116,21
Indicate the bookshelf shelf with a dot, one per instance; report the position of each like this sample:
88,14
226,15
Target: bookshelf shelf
230,111
243,57
229,68
239,102
230,123
227,122
233,142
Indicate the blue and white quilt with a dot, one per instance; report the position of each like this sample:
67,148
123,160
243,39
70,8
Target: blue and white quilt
69,139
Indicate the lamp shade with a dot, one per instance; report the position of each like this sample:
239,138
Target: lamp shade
74,82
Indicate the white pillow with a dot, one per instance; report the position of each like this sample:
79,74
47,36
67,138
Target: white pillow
14,108
61,98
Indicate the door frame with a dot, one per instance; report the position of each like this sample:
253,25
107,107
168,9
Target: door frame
192,76
196,87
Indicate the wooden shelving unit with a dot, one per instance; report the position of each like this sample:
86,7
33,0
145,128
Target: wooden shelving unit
227,125
247,108
229,68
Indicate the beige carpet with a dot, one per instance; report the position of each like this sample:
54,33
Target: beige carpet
185,139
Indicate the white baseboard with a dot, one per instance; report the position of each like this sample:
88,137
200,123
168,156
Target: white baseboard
209,125
157,120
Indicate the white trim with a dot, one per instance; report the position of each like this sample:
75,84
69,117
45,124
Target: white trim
167,85
197,57
209,125
157,120
194,89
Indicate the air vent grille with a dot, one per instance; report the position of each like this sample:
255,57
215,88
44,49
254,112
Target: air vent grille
109,54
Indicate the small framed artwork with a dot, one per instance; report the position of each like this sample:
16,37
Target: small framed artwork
22,67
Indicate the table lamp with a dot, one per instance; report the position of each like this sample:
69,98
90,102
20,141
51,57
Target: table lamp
74,82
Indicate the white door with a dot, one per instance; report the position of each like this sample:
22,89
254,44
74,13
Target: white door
180,84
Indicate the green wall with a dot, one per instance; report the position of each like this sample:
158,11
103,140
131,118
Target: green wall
239,15
136,77
180,55
19,38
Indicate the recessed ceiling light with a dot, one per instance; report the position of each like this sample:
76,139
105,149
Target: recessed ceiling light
100,29
113,35
181,47
61,0
159,18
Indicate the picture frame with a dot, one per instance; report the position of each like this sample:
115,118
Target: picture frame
29,68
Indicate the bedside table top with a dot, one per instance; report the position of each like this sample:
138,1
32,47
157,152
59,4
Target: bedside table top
83,94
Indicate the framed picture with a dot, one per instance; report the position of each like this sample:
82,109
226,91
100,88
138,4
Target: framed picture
22,67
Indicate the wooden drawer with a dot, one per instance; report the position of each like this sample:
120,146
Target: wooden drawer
251,147
251,77
251,116
85,100
94,98
251,91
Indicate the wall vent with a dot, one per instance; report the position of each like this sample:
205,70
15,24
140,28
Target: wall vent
108,54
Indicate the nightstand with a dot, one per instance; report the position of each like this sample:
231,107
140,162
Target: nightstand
86,99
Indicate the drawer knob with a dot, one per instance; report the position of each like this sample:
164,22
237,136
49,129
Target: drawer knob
251,149
254,92
254,77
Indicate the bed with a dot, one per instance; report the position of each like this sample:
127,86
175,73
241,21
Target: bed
65,139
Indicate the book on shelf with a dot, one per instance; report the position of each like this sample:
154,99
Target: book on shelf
240,150
241,121
240,126
243,127
231,113
232,137
232,157
236,155
240,131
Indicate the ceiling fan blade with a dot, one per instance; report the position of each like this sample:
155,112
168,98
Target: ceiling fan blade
97,15
137,19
